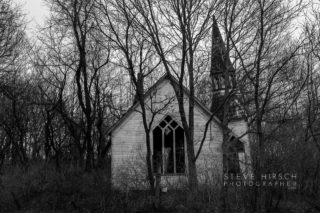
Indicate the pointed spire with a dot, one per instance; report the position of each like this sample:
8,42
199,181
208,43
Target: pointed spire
221,68
220,60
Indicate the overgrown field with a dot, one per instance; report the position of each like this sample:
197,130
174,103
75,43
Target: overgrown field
42,188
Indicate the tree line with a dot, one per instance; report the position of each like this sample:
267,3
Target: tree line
93,59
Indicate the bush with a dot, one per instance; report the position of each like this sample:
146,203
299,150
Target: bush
41,187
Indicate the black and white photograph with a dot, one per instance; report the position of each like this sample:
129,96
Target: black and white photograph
164,106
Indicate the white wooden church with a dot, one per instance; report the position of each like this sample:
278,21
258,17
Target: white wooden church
128,145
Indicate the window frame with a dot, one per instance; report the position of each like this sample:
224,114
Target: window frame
174,151
233,156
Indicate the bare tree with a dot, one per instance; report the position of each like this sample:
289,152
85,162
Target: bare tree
177,30
80,55
14,84
139,59
12,36
259,40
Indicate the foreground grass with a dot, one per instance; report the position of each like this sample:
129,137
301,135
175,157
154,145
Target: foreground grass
41,188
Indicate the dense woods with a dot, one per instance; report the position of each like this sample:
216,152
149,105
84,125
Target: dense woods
63,89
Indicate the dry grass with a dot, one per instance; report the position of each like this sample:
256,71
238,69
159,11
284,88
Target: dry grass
41,188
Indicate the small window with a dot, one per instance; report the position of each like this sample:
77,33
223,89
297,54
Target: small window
168,148
232,156
232,81
222,82
216,83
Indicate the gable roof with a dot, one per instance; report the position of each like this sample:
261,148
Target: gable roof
169,77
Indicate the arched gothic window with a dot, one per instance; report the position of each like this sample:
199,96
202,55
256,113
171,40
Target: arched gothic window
168,147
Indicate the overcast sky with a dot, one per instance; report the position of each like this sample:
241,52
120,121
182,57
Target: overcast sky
35,11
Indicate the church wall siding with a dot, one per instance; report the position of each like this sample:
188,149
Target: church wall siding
129,148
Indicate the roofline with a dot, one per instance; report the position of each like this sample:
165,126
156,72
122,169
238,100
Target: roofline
168,76
197,101
134,106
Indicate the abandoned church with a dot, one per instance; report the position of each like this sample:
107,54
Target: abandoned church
168,143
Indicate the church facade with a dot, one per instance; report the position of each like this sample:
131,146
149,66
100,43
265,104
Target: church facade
168,144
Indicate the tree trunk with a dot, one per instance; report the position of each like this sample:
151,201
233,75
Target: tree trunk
149,162
89,156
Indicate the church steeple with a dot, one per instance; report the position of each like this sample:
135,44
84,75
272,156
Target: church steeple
222,75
